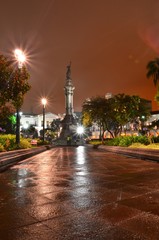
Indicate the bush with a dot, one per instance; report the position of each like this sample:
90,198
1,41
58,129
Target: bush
141,139
113,142
1,148
24,143
40,142
7,141
155,139
127,141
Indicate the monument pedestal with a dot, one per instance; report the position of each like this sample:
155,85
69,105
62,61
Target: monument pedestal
68,133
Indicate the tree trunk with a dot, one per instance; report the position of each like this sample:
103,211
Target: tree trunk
17,127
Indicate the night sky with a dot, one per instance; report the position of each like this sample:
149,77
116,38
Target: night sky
108,42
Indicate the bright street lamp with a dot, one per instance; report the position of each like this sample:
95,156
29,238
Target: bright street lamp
20,58
44,102
80,130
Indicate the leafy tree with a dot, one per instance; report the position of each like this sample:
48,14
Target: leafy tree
55,125
6,71
86,119
92,111
97,110
30,132
130,109
14,85
18,89
19,86
8,119
112,114
6,107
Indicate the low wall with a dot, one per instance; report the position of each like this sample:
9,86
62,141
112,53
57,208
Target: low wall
8,159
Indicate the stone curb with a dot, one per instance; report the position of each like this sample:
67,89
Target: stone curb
134,152
11,158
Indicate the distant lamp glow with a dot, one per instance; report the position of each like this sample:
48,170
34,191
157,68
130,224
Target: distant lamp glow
80,130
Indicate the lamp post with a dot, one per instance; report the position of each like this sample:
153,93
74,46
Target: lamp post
20,57
44,101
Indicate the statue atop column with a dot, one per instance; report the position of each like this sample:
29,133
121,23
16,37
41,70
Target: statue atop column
68,73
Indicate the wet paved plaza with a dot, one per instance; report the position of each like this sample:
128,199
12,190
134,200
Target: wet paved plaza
80,193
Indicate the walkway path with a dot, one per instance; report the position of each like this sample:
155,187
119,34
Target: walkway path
80,193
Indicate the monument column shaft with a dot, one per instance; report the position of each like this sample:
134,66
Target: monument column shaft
69,99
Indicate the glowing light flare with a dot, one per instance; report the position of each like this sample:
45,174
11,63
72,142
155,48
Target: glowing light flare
26,125
44,101
80,130
20,57
150,36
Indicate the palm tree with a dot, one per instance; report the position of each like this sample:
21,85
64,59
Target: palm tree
153,72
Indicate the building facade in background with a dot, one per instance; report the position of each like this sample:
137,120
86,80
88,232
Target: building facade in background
36,120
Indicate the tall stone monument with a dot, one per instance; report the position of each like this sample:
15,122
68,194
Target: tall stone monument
69,89
69,123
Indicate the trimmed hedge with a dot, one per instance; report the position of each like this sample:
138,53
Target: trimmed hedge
127,141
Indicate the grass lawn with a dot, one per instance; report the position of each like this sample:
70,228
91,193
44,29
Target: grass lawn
150,146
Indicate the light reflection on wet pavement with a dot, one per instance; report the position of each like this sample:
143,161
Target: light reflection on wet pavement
80,193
